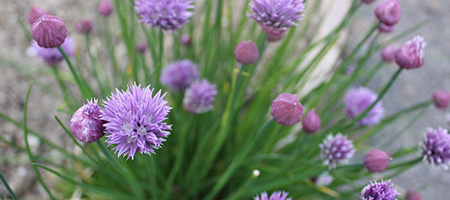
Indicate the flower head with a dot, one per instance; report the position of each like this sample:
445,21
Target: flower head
286,109
324,179
411,55
435,147
441,99
141,47
86,124
36,13
164,14
179,75
276,16
186,40
84,26
311,122
376,160
336,150
357,100
383,190
134,120
388,53
389,12
49,31
246,53
278,195
105,8
52,56
200,97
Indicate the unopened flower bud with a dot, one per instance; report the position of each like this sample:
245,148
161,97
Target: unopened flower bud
389,12
286,109
311,122
413,195
186,40
36,13
388,53
49,31
84,26
86,124
141,47
105,8
441,99
376,160
246,53
411,55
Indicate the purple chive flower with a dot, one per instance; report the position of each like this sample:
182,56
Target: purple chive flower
246,53
388,53
383,28
276,16
52,56
311,122
413,195
164,14
84,26
376,160
357,100
336,150
199,97
141,47
324,180
278,195
105,8
435,148
411,55
49,31
383,190
368,1
86,124
441,99
36,13
186,40
179,75
389,12
286,109
134,121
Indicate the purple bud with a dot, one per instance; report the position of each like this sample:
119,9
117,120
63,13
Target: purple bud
141,47
186,40
441,99
86,124
49,31
389,12
413,195
84,26
36,13
199,97
275,36
246,53
368,1
388,53
311,122
105,8
383,190
411,55
286,109
383,28
376,160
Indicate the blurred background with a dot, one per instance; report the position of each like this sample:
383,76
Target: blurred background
412,87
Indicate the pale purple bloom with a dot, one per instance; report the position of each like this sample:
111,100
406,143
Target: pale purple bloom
388,53
105,8
276,16
286,109
324,179
278,195
199,97
411,55
179,75
383,28
49,31
357,100
435,148
86,124
383,190
377,160
186,40
52,56
36,13
311,122
389,12
246,53
134,121
164,14
336,150
441,99
84,26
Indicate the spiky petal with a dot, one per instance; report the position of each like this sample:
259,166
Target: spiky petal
278,195
383,190
134,120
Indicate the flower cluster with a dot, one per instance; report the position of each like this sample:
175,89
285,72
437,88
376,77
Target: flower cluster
336,150
278,195
383,190
179,75
436,147
164,14
200,97
86,124
357,100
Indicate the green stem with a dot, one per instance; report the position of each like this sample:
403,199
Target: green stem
11,193
62,86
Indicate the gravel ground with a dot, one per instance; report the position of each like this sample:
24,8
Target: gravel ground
412,86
